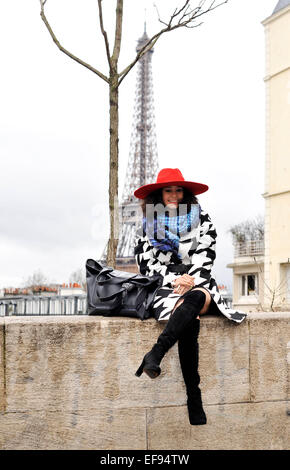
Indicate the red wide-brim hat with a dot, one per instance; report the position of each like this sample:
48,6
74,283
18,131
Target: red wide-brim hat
170,177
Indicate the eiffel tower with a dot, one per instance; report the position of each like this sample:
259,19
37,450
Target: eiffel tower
142,165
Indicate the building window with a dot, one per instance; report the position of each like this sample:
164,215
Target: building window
249,284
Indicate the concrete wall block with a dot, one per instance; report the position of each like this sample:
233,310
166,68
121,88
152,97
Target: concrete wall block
2,365
268,352
243,426
224,361
105,429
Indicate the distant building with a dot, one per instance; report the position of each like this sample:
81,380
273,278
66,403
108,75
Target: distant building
248,273
64,299
32,290
72,288
261,271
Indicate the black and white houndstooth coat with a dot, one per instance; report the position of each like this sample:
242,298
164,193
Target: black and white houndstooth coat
198,252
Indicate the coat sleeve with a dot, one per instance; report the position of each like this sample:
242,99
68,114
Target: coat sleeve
151,261
204,255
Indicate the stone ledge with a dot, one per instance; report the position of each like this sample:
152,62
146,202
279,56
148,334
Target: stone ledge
77,374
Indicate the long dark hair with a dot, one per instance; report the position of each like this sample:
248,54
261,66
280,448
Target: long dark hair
156,198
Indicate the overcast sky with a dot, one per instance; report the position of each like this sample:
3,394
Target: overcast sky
209,97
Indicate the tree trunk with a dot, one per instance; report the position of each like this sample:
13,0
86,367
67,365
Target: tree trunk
113,180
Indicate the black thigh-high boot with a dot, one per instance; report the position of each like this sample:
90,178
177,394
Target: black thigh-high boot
188,358
178,321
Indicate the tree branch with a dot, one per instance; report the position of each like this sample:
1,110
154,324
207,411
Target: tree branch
104,34
184,17
188,15
142,51
118,32
65,51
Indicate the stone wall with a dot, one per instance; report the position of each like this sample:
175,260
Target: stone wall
69,383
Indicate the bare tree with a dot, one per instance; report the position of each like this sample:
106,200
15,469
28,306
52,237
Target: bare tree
79,276
37,279
274,296
185,16
252,229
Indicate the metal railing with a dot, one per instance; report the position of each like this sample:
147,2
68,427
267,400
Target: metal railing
249,248
44,305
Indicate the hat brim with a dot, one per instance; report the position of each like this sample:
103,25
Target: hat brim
195,188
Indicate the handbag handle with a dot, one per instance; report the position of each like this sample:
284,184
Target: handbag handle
94,267
111,279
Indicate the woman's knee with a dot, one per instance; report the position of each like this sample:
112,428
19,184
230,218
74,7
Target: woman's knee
196,298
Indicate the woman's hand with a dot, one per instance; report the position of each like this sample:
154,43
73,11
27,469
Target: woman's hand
183,284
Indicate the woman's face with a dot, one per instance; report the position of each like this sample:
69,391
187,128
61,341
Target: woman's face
172,196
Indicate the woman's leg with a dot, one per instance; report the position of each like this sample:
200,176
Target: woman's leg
188,358
182,316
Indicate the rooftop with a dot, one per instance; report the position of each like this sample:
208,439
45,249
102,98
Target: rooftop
280,5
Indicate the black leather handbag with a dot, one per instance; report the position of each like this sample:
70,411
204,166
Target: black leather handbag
118,293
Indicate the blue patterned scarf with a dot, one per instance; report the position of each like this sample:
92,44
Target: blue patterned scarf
164,232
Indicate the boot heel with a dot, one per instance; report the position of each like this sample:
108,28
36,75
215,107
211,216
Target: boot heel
139,371
153,372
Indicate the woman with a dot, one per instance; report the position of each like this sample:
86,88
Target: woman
178,243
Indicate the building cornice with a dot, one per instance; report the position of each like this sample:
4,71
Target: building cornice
246,261
268,77
275,16
266,195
